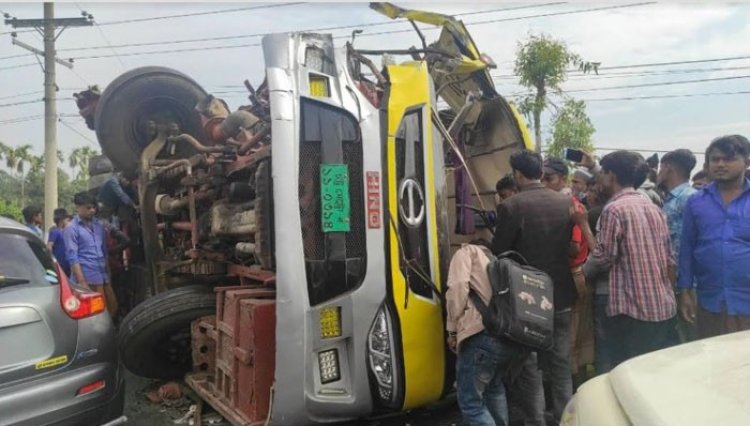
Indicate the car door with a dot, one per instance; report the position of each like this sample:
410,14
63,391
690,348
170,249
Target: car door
36,336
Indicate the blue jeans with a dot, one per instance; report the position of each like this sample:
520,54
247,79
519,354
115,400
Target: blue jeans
480,366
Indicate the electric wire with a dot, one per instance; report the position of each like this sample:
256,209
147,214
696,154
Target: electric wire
339,27
183,15
74,130
235,46
683,95
106,40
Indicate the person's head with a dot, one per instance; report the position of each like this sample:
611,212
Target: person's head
675,168
32,215
622,169
555,173
700,180
580,182
506,187
85,205
526,166
127,178
61,218
727,158
593,196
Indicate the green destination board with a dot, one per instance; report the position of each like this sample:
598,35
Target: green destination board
334,197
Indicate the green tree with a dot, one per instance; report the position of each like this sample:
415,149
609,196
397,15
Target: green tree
79,159
571,128
16,160
10,210
542,64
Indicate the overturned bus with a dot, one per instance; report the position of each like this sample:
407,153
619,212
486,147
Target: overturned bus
303,240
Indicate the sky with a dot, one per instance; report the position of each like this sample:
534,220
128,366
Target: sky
636,39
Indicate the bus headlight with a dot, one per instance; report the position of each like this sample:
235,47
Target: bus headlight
380,345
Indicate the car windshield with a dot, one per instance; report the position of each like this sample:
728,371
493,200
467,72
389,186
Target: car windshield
24,261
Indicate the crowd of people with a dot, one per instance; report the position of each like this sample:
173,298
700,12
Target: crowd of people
639,258
81,244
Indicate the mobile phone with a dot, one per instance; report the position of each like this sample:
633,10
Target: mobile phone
572,154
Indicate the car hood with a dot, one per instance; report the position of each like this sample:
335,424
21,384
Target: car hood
706,382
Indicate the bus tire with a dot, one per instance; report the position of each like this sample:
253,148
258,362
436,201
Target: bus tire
137,97
154,338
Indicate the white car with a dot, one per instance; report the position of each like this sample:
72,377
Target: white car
706,382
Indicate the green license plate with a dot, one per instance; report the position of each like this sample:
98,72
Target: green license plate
334,197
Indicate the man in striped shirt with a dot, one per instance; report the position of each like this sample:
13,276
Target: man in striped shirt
634,243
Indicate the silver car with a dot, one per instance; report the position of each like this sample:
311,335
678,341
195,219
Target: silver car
58,357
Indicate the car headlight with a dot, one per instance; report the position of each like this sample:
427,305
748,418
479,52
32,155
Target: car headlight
569,417
380,351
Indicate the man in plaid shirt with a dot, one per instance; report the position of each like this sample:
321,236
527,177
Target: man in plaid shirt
634,243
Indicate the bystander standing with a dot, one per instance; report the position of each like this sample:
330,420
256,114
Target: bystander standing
56,240
633,242
582,323
86,246
536,222
32,215
715,248
674,181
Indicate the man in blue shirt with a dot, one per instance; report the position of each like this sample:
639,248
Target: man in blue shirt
116,192
715,247
674,180
86,247
56,240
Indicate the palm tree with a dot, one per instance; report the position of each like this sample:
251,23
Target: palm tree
79,159
15,160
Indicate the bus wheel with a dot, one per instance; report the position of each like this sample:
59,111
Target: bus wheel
154,338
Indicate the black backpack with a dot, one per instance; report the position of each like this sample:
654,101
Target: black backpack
521,308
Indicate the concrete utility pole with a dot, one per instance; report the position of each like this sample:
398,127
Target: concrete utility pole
47,27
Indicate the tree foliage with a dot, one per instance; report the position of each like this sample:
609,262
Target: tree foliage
23,182
79,159
571,128
542,64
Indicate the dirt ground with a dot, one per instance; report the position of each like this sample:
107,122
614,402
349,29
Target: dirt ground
142,412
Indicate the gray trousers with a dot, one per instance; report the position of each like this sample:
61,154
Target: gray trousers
556,366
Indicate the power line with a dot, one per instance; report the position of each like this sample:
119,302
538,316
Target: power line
30,64
492,21
661,64
685,95
666,83
340,27
32,102
21,119
194,49
21,55
628,74
633,86
183,15
77,132
21,103
104,37
36,92
210,12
